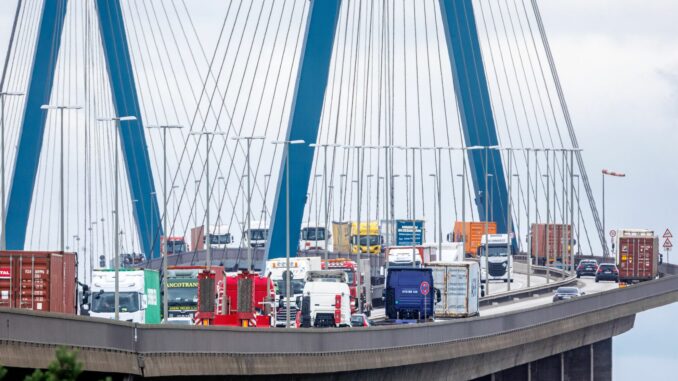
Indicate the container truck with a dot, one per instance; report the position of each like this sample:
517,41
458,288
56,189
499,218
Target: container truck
139,295
550,241
182,289
341,237
257,235
410,294
471,233
498,263
276,269
175,245
459,286
39,280
313,238
637,255
370,236
326,300
220,237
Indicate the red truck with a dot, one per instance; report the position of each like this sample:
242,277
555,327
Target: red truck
39,280
637,255
548,240
243,300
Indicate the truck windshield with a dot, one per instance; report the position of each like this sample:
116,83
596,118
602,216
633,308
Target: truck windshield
223,239
296,286
313,234
258,234
176,247
105,302
494,251
369,240
182,296
351,276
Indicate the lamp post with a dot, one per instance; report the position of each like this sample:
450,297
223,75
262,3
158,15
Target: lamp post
325,187
578,216
164,128
116,245
286,144
3,240
436,208
606,172
248,139
208,239
62,235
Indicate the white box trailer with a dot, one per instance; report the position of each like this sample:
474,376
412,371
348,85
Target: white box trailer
459,287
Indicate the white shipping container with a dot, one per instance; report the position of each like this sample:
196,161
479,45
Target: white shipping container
459,285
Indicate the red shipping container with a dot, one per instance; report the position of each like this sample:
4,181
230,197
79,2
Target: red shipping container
637,254
38,280
549,239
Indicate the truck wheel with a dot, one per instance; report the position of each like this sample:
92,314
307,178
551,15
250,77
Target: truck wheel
578,275
596,280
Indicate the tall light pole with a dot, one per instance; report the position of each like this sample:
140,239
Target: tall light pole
3,240
606,172
286,144
116,245
248,139
509,220
62,235
325,187
528,239
436,208
487,218
463,189
208,238
578,216
164,128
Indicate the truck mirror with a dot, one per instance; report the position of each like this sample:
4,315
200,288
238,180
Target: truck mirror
298,302
144,302
438,296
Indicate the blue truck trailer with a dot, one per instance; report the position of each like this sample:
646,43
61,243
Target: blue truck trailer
409,294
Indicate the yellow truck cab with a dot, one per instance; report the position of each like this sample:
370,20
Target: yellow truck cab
371,240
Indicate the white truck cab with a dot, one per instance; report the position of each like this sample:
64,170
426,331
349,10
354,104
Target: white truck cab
326,300
257,235
220,237
276,270
498,263
139,295
313,238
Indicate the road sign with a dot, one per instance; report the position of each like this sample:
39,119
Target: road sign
667,234
668,244
613,233
424,287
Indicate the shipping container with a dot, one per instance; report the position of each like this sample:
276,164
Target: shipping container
39,280
637,255
341,237
550,240
459,287
474,232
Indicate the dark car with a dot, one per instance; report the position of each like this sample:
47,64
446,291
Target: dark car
565,293
360,320
607,271
587,267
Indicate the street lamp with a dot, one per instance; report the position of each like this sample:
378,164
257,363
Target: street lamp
206,231
436,209
606,172
286,144
116,260
164,129
3,240
61,109
248,139
326,202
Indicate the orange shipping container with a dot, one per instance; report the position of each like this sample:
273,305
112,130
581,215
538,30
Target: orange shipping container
550,243
38,280
474,232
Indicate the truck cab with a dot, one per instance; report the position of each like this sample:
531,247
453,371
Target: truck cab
257,235
182,293
351,269
498,263
326,300
366,237
139,295
220,237
175,245
276,270
401,256
313,238
410,294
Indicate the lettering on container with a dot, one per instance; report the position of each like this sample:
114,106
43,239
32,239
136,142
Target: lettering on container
152,297
5,273
187,284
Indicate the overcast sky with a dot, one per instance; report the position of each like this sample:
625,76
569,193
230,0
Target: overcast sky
618,62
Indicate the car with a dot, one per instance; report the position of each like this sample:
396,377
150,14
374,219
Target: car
607,271
587,267
360,320
566,293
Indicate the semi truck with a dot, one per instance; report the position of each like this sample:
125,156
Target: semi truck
498,263
637,255
39,280
276,270
175,245
220,237
313,238
471,234
139,295
326,300
182,290
257,235
366,237
410,294
459,286
549,242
